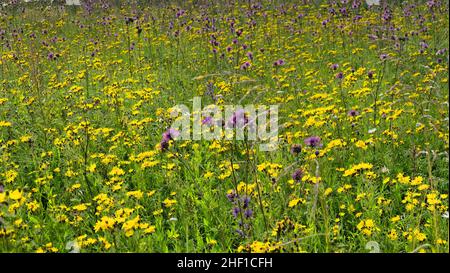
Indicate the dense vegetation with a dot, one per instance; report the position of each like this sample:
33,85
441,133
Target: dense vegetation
87,162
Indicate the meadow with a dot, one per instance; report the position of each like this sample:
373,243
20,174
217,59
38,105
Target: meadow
88,162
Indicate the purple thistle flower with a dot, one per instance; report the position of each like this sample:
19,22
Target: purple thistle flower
357,18
245,65
248,213
339,75
334,66
353,113
441,51
313,141
246,202
231,196
235,211
238,119
278,62
207,121
343,11
423,45
298,175
164,144
179,13
167,136
170,134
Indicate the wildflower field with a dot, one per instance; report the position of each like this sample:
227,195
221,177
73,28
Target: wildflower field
90,162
